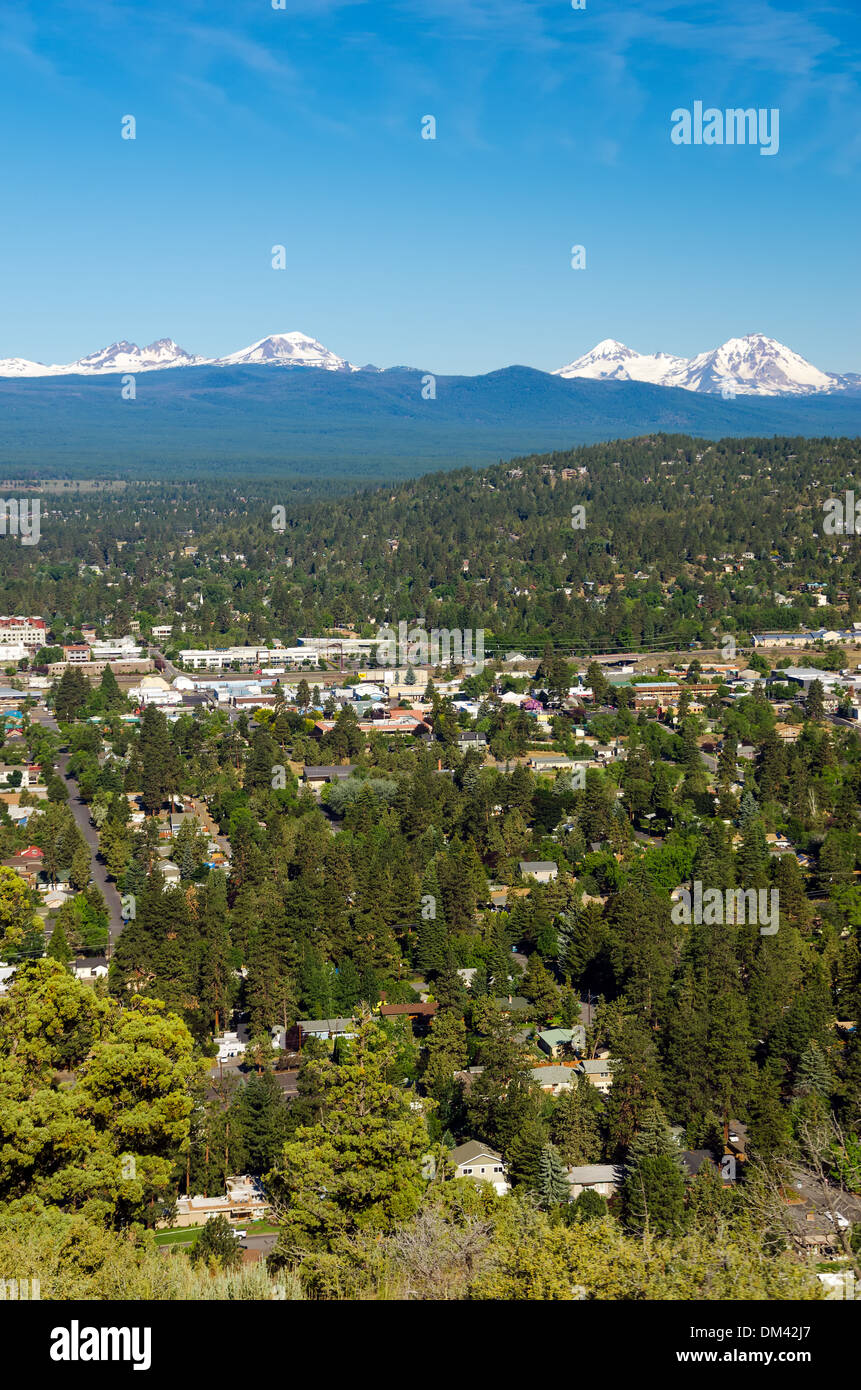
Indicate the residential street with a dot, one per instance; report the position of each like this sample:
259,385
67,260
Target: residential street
88,830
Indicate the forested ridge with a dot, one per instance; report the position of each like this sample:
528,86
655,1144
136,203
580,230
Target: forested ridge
681,539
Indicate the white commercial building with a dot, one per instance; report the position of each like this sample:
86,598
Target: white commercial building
17,631
216,658
12,651
116,649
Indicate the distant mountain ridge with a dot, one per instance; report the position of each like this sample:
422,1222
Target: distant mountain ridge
751,366
279,349
361,424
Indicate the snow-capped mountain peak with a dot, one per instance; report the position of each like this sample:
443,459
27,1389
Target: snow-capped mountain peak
611,360
286,349
279,349
754,365
128,357
21,366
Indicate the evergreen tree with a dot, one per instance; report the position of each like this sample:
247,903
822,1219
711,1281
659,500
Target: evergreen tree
814,704
575,1124
109,690
446,1052
813,1076
525,1149
262,1114
552,1185
58,947
359,1167
653,1196
79,873
217,1246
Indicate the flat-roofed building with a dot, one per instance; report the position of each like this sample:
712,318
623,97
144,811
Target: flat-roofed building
19,630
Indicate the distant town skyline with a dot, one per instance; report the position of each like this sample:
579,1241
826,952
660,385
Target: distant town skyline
302,127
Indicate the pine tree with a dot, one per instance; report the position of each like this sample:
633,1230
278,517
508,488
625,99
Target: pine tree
216,976
525,1148
813,1076
552,1185
159,765
540,989
814,705
446,1052
770,1131
79,873
431,936
58,947
347,989
262,1114
110,691
653,1138
359,1167
217,1246
575,1124
653,1195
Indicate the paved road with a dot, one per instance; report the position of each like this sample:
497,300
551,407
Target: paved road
170,671
81,813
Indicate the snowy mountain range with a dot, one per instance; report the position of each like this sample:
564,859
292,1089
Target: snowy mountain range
752,366
749,366
280,349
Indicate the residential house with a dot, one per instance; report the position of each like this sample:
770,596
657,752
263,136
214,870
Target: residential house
318,776
325,1028
553,762
170,872
467,738
26,869
542,870
90,968
480,1163
14,776
694,1159
244,1201
556,1041
598,1072
513,1004
554,1079
603,1178
421,1010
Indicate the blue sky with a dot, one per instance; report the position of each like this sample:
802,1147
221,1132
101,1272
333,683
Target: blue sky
301,126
